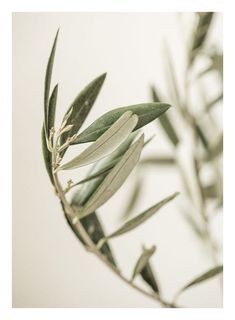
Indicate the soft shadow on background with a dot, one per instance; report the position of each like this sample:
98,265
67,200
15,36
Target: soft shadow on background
50,267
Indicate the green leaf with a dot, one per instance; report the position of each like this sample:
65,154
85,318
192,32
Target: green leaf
162,161
146,112
82,106
141,218
165,121
148,276
94,228
205,276
52,108
216,149
116,177
199,232
142,261
106,143
47,156
48,81
202,29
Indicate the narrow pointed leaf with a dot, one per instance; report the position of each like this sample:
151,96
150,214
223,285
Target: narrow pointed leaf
205,276
52,108
158,161
146,112
201,32
213,102
82,195
48,81
141,218
142,261
116,177
95,230
106,143
47,156
82,106
149,277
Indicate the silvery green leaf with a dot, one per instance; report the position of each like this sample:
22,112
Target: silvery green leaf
81,106
82,195
165,121
149,277
205,276
106,143
116,177
146,112
199,232
141,218
47,156
48,81
142,261
52,108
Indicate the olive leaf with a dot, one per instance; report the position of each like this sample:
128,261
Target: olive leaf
82,195
106,143
142,261
48,82
201,32
114,180
146,113
94,228
205,276
149,277
161,160
165,121
213,102
81,107
47,155
52,108
138,220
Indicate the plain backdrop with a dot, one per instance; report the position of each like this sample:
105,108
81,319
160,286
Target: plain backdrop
50,267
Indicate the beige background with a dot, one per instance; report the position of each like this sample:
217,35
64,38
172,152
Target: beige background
50,268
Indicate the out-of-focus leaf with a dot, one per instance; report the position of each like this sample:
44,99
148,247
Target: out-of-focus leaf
201,32
210,191
202,136
165,121
94,228
81,107
146,113
194,225
106,143
48,81
142,261
141,218
213,102
132,201
163,161
171,75
114,180
47,156
205,276
52,108
216,149
149,277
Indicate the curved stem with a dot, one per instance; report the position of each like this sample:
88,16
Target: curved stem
92,247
